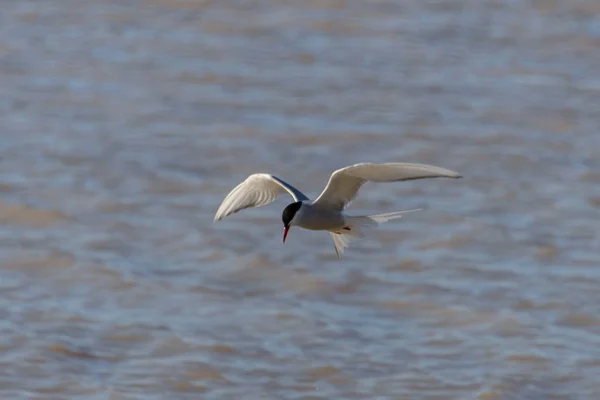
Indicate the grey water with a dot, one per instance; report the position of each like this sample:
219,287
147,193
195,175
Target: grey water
125,123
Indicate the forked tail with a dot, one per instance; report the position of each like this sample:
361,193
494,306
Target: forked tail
358,226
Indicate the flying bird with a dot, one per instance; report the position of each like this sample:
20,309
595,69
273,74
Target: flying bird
326,213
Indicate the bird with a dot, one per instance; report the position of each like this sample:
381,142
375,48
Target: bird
327,211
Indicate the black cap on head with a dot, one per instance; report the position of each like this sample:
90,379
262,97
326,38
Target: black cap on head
289,212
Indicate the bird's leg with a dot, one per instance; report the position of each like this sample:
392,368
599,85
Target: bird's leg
346,228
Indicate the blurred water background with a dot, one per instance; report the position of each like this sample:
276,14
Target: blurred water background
125,123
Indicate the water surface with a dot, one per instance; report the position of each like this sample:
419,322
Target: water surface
125,123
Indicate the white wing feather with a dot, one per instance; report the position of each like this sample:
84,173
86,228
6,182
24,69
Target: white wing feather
340,242
256,191
344,183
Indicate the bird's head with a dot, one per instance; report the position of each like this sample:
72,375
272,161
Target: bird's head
287,217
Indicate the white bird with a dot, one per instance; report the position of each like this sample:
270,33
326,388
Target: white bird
326,213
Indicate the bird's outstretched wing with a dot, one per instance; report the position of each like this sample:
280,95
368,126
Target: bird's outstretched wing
344,183
257,190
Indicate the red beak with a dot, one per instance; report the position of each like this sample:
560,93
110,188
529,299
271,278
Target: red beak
285,231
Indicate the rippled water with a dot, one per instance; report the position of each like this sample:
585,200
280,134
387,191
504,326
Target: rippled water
125,123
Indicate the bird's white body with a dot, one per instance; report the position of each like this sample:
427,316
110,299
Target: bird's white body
326,213
316,218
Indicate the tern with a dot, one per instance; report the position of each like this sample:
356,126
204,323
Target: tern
326,213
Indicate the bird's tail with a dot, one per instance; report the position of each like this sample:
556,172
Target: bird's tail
358,226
